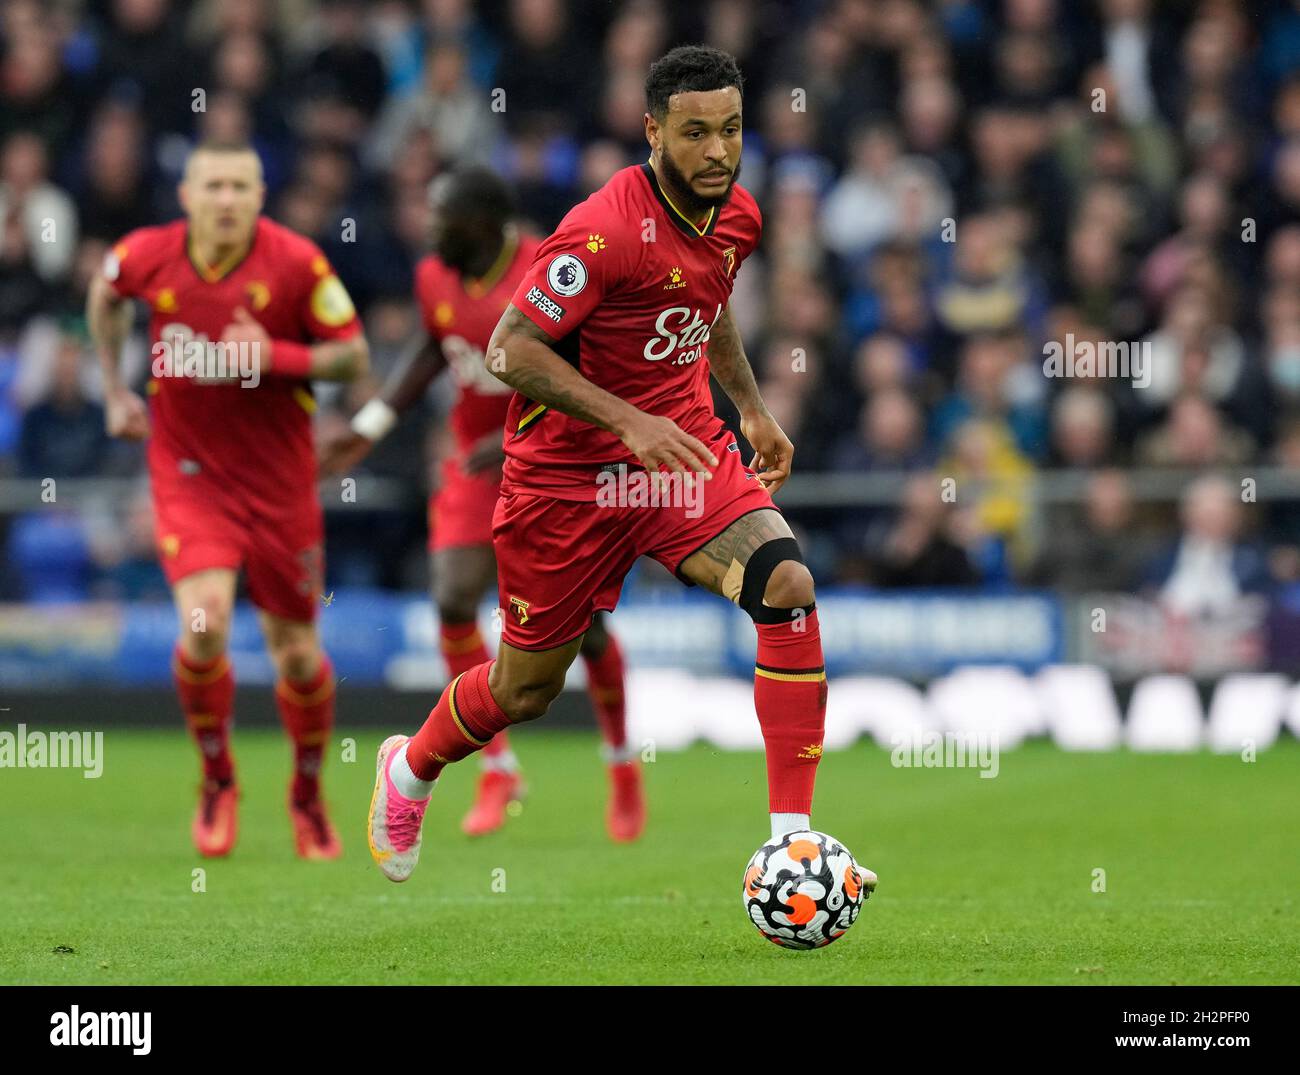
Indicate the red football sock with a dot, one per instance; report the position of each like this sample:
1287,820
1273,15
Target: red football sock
462,647
605,686
790,697
463,722
207,693
307,713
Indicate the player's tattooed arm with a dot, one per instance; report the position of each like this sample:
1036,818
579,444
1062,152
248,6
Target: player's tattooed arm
523,355
731,367
772,448
109,317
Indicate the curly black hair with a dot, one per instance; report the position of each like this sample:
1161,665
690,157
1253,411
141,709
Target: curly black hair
473,189
689,69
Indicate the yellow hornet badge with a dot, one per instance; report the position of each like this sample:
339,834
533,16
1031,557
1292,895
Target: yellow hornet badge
521,610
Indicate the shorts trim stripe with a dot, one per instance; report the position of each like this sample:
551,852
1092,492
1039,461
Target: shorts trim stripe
529,418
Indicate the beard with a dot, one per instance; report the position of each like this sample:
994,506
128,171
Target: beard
694,204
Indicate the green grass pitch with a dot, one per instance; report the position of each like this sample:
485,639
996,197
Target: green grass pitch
981,881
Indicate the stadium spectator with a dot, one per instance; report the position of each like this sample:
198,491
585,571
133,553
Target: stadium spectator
989,288
1096,547
1083,428
859,211
919,547
38,231
1211,567
145,59
996,384
36,94
113,188
63,435
344,67
546,70
125,553
1195,435
890,436
455,113
1193,350
993,477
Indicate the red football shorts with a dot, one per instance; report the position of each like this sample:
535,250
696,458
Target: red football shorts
561,561
460,512
199,523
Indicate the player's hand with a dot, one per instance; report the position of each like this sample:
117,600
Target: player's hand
487,455
247,329
125,414
341,452
772,449
657,441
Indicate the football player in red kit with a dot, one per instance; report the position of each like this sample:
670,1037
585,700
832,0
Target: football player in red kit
478,259
245,313
613,452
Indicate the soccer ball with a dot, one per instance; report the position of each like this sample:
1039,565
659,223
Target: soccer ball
803,890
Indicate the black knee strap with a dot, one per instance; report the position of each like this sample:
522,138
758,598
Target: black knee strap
758,570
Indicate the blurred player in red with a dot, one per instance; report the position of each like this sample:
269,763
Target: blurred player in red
245,313
609,341
462,288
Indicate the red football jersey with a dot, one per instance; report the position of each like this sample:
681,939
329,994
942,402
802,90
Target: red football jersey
629,289
256,441
461,316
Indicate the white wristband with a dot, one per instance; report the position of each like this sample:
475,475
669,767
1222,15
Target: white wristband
374,420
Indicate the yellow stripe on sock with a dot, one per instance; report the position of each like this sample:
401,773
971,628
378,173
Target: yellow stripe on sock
462,645
203,721
290,693
201,678
456,716
791,677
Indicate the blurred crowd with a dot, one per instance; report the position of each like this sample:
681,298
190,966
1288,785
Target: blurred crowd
946,186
